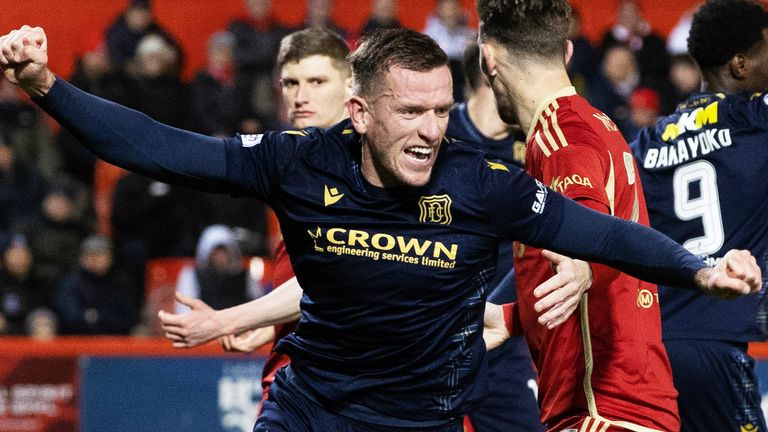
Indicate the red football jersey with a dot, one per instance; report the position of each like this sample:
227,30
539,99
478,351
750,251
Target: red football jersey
607,361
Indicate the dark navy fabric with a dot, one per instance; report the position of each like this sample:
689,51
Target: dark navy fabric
511,404
701,170
395,280
717,386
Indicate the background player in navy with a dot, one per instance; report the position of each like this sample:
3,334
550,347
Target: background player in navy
394,260
511,402
702,170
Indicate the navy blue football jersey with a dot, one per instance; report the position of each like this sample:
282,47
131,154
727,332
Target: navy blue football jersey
394,279
701,170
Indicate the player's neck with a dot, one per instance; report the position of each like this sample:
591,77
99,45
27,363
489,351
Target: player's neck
538,84
481,108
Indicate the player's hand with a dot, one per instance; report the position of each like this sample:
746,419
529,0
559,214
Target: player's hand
736,274
24,60
560,295
495,330
248,341
198,326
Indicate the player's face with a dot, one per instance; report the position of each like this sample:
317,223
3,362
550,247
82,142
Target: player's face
315,92
405,125
757,56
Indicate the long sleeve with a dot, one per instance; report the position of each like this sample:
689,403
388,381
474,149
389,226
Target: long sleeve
134,141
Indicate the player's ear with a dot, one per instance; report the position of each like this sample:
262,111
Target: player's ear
358,113
738,66
488,60
568,51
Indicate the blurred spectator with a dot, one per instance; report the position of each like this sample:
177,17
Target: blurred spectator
257,39
319,16
685,77
95,74
154,84
41,324
383,15
96,298
24,129
218,276
582,65
611,88
632,31
153,219
22,189
448,26
214,100
18,291
644,109
127,31
56,240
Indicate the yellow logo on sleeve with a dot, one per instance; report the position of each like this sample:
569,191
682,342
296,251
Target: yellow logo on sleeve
497,166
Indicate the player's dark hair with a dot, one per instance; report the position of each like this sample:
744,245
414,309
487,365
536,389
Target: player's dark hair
724,28
314,41
384,48
472,74
527,28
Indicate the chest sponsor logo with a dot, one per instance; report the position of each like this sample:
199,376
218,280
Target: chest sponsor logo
435,209
384,246
645,298
691,121
331,195
560,184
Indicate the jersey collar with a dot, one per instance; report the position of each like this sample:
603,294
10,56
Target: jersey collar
566,91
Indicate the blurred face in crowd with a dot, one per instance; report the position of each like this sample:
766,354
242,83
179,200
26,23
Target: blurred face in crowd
685,77
450,12
315,91
138,18
619,64
385,9
58,207
259,9
97,262
18,260
403,124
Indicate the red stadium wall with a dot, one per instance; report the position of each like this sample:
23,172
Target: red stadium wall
69,23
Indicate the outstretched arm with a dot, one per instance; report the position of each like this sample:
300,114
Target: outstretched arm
203,324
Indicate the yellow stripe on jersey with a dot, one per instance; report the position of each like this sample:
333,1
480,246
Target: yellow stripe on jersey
586,340
347,131
610,187
541,144
295,132
545,128
556,127
497,166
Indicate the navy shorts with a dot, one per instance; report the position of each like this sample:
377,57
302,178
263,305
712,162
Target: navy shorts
717,385
288,410
511,404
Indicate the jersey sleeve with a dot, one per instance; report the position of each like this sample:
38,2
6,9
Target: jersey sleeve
755,110
134,141
522,208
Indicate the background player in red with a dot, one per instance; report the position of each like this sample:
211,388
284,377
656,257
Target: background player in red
605,368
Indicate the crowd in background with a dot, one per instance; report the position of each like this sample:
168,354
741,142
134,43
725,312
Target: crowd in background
76,233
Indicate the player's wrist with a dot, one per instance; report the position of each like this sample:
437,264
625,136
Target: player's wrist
41,87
